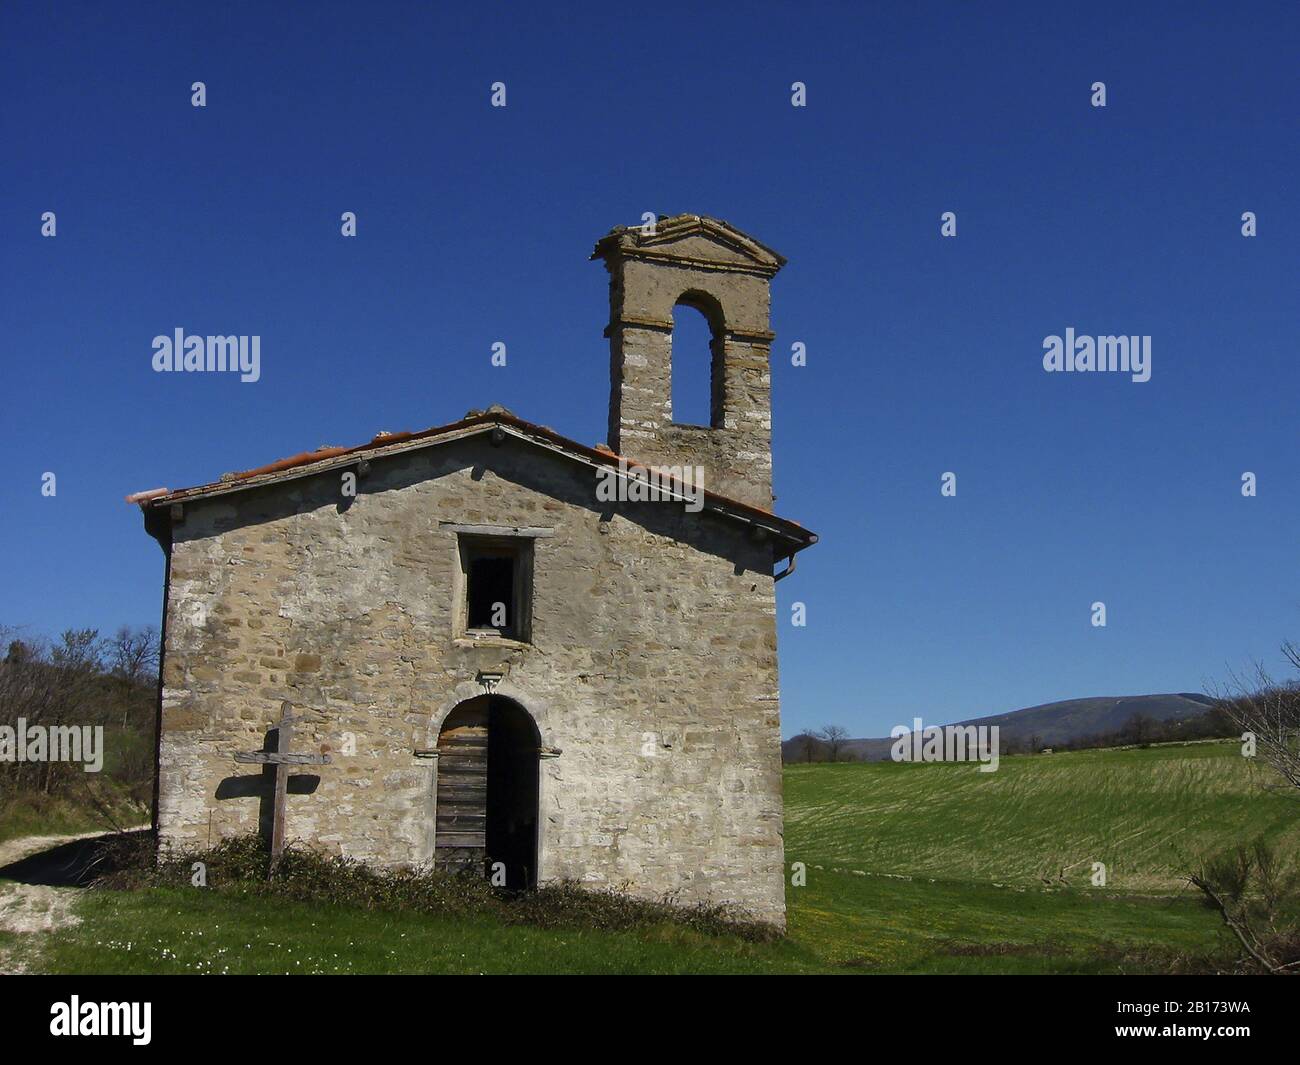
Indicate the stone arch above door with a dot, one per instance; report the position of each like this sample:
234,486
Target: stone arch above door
536,708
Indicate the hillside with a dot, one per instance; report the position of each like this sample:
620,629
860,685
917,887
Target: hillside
1051,723
1146,814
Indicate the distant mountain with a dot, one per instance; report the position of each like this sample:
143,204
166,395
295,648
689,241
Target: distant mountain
1052,723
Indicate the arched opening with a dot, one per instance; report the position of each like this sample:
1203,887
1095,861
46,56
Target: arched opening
697,361
487,791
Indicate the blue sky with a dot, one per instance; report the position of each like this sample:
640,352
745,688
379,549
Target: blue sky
475,223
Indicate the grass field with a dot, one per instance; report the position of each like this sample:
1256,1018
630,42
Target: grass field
910,869
1143,813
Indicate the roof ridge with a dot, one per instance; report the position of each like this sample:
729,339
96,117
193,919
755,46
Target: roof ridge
600,454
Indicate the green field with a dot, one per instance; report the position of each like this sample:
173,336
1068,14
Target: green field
909,869
1143,813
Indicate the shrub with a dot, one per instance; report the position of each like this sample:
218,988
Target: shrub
1258,901
241,865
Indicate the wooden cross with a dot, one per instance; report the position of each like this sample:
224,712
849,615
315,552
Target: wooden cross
282,759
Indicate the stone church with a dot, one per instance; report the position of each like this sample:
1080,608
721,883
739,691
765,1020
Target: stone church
496,665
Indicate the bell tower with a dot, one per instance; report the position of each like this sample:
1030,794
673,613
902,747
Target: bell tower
707,264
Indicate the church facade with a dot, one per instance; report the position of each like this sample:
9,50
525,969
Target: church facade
499,663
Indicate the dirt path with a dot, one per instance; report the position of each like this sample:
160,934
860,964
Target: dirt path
33,909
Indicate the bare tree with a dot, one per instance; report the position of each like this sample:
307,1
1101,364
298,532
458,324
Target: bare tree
806,744
79,680
1248,887
48,685
1255,897
1268,712
833,736
132,656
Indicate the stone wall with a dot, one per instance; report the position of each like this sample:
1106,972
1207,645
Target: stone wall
653,630
733,293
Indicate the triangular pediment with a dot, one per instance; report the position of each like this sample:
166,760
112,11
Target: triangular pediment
691,238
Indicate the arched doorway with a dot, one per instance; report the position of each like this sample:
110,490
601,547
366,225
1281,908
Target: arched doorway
487,790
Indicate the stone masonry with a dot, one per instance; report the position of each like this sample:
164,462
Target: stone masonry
649,667
726,275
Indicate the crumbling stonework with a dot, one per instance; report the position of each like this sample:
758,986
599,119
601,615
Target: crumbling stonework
649,666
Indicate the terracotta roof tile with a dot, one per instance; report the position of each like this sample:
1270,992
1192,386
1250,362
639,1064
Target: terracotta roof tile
601,454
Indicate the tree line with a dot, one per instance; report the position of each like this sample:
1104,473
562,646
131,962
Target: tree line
80,680
831,743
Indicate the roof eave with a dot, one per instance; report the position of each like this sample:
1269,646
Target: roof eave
791,533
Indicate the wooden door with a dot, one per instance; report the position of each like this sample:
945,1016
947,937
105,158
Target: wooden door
460,840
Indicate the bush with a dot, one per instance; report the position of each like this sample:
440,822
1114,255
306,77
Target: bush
241,865
1258,900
